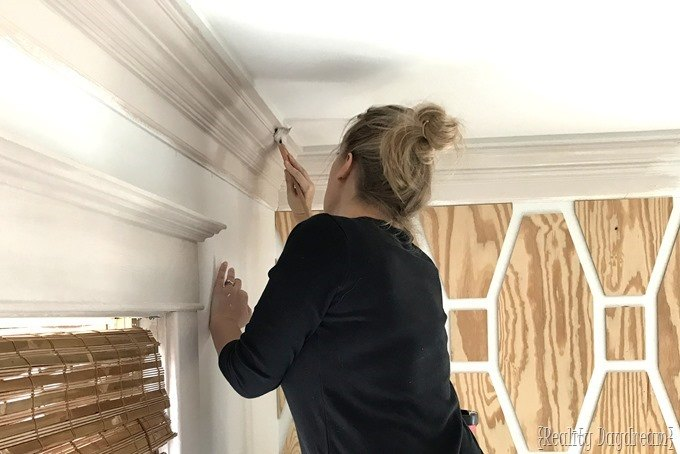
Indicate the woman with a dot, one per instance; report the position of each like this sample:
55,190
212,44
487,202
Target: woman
351,322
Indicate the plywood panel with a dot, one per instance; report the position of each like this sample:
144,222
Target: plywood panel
292,444
627,404
280,401
468,335
623,237
669,328
465,241
625,333
545,327
284,223
476,392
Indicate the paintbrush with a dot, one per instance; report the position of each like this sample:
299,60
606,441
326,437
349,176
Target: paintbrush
279,133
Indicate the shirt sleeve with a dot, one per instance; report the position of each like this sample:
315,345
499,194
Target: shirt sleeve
311,271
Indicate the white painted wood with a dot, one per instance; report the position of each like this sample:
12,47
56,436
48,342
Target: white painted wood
61,259
87,308
53,176
153,65
181,366
76,241
156,64
542,167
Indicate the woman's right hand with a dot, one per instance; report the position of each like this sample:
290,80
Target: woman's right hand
299,186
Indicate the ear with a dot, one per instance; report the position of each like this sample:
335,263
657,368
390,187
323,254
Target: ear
346,166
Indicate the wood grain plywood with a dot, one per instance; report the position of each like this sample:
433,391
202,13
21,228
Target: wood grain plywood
468,335
625,333
280,401
627,404
623,237
465,241
284,223
545,327
476,392
292,444
669,328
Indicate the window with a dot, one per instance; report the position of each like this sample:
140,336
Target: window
76,386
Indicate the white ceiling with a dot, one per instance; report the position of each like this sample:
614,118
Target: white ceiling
505,68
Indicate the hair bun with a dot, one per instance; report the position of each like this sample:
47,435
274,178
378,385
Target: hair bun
394,148
439,129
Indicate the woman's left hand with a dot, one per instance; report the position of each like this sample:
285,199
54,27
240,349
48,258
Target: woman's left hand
229,310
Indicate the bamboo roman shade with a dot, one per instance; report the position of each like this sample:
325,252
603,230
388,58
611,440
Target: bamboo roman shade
94,392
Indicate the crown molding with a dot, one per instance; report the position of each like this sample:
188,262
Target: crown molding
58,178
157,64
527,168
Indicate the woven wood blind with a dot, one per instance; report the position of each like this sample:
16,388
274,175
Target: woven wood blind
94,392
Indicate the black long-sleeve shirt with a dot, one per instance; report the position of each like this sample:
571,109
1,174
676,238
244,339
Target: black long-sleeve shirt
351,324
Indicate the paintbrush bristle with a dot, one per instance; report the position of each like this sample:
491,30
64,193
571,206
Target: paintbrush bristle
280,132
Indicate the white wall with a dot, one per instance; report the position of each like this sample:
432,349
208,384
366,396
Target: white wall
42,109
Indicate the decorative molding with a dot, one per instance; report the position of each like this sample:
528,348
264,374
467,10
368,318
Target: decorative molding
60,258
47,308
540,167
157,64
59,178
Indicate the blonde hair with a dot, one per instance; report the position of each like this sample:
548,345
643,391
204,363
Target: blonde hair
394,147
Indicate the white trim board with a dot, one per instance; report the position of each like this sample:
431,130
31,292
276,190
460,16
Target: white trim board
62,258
86,308
561,167
136,252
56,177
157,64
